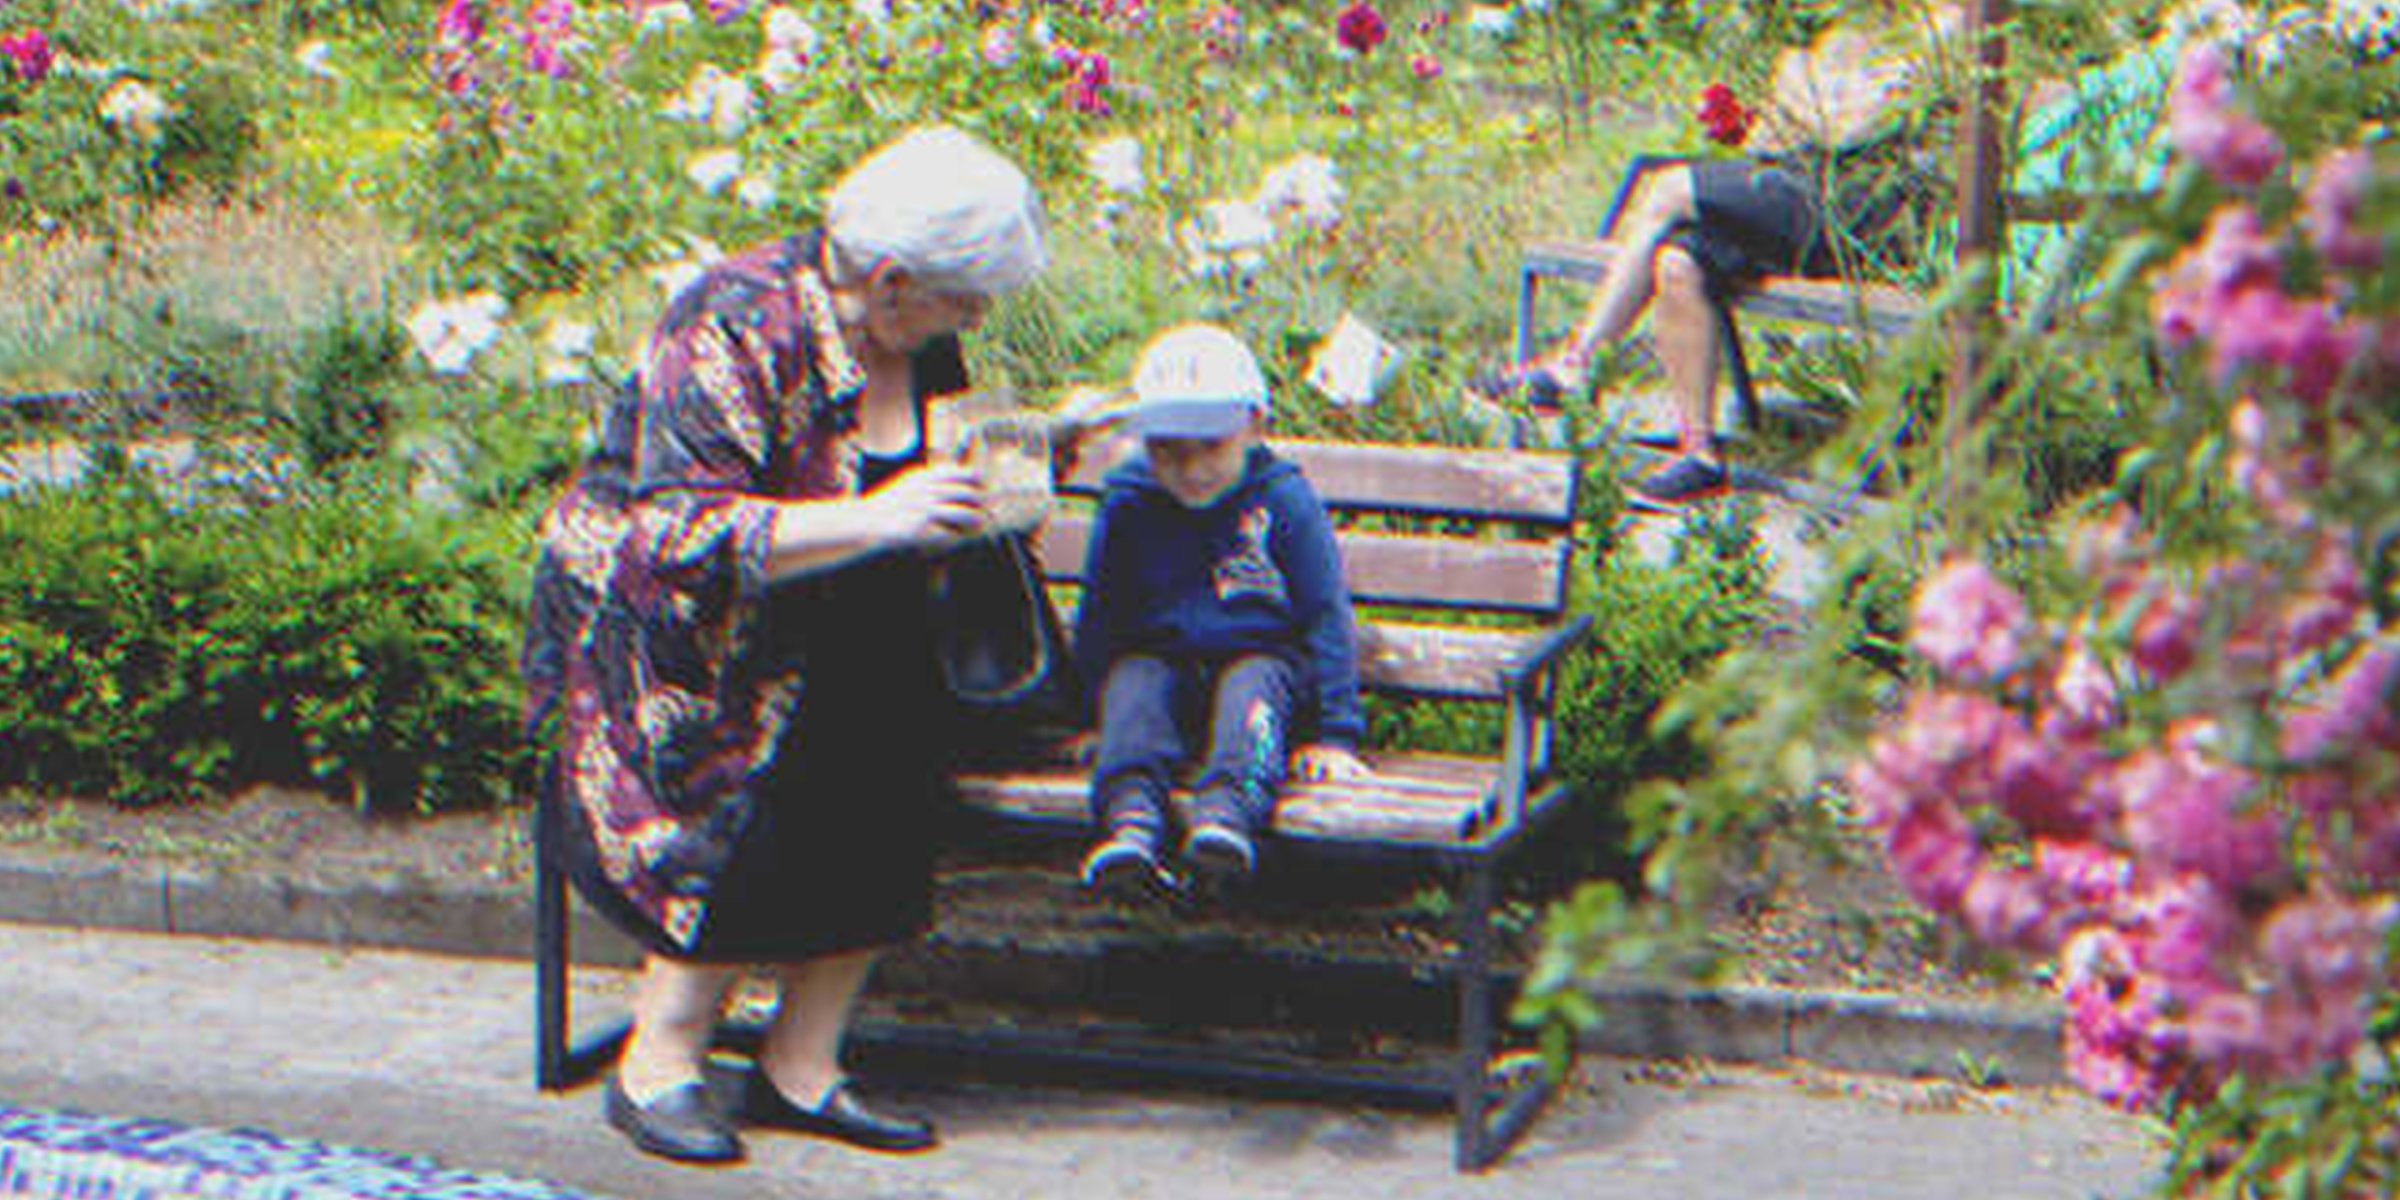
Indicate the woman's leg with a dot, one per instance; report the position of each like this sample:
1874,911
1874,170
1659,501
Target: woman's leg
1683,327
802,1053
675,1011
1663,201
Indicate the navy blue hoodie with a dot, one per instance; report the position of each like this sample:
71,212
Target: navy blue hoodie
1255,572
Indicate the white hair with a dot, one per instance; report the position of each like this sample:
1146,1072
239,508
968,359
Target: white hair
941,205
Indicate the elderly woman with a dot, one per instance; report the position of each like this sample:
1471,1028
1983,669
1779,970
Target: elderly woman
731,644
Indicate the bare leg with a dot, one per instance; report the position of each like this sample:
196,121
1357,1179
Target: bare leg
802,1052
1660,202
675,1011
1686,336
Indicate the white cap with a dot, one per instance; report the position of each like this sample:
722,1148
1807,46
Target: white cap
943,206
1195,381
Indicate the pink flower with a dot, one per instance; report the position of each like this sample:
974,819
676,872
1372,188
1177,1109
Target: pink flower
2184,810
461,24
1359,28
30,55
1087,92
547,26
1934,855
2355,712
2085,875
2166,635
2084,692
1967,623
2337,193
2323,944
2182,925
2201,123
2005,907
1425,67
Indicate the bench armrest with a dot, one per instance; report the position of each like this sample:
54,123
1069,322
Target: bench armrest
1539,656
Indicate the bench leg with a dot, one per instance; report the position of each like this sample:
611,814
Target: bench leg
1528,280
549,953
557,1062
1471,1094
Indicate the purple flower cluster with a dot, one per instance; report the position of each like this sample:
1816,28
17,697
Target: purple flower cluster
1359,28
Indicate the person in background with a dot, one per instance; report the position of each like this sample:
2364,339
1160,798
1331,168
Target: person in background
1835,177
731,635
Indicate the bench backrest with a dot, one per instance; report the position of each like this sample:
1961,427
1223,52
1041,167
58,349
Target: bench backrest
1427,533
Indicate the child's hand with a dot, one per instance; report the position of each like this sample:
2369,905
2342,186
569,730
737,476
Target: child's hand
1082,748
1328,762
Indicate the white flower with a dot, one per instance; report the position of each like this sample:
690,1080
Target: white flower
1491,20
1117,164
1305,185
567,347
779,69
755,192
133,107
788,30
691,104
730,103
713,169
315,57
873,12
1353,363
1039,34
673,277
450,333
1228,235
670,15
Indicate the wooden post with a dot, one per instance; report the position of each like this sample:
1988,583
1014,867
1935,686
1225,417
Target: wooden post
1981,223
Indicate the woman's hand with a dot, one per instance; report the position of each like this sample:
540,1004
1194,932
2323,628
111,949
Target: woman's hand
1323,762
928,505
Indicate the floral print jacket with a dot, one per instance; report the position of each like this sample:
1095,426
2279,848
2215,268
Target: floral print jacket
643,659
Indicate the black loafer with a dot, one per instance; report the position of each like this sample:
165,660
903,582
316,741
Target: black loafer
840,1116
679,1124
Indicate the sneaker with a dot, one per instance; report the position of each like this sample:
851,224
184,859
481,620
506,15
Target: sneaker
1680,482
1219,852
1125,867
1532,382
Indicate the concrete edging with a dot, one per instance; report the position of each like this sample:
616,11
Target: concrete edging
1877,1034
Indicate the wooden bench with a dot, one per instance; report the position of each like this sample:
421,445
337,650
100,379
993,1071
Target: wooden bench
1436,542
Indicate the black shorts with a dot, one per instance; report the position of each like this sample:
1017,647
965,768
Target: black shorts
1752,220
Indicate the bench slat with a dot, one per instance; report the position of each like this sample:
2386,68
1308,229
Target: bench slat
1494,485
1883,308
1414,799
1384,568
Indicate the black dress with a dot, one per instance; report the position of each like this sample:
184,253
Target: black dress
840,852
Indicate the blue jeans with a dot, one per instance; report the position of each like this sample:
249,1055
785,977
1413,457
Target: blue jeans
1148,706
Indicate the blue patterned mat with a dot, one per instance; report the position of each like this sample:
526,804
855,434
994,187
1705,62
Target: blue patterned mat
68,1156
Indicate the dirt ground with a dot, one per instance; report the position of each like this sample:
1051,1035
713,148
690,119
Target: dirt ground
1808,922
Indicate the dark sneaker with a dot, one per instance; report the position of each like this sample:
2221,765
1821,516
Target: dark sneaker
1531,382
1680,482
1218,853
1126,867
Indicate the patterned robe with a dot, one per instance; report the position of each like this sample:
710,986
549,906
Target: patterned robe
643,659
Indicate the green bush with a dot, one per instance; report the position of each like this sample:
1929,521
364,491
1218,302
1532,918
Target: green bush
151,647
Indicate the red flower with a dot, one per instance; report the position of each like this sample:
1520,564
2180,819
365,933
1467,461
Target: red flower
1359,27
1728,122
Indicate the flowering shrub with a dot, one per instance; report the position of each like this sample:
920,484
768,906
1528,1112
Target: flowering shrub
2176,776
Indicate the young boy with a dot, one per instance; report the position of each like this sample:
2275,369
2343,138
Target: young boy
1215,620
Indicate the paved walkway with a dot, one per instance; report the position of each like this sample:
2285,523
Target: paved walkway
429,1055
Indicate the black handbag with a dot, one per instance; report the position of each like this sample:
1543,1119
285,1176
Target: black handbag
1002,647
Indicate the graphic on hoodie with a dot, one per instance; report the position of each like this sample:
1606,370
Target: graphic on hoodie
1249,570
